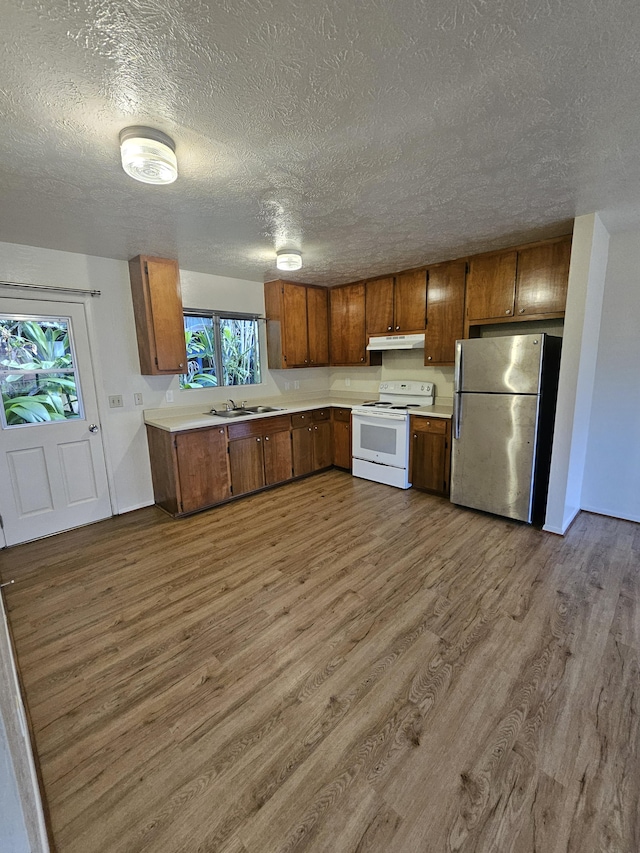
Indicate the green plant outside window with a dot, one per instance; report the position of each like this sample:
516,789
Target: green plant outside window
221,350
37,371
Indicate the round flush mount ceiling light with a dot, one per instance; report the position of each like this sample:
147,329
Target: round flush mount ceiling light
148,155
288,260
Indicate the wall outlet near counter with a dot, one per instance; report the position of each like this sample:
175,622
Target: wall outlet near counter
137,399
115,401
347,382
169,396
296,385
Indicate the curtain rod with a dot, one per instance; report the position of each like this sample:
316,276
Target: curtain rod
50,287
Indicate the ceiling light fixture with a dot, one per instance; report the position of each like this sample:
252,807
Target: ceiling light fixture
288,260
148,155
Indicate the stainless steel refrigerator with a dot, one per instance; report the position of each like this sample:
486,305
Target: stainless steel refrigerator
505,392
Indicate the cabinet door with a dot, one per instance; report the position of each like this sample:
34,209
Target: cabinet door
410,301
246,462
542,279
491,283
157,307
445,312
379,306
296,343
342,444
202,468
430,455
302,447
318,325
278,462
322,449
347,324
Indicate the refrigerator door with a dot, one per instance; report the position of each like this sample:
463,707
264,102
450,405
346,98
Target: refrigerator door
493,457
504,365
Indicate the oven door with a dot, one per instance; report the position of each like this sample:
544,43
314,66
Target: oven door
381,438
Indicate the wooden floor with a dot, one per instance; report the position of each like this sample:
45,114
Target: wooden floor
337,666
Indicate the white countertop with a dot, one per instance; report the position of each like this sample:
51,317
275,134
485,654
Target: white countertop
177,420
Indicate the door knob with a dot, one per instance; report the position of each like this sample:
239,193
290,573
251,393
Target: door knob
94,428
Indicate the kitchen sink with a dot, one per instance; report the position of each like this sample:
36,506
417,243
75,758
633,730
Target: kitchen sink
241,413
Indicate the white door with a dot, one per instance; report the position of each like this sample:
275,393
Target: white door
52,467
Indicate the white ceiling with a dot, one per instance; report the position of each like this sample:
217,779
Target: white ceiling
373,136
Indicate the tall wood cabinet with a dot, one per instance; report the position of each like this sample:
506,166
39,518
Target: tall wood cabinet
341,428
445,312
297,325
157,307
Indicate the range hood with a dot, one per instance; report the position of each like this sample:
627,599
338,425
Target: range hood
387,342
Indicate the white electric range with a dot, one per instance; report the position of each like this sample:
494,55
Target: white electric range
380,430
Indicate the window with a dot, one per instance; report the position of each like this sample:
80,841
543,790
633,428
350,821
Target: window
222,349
38,375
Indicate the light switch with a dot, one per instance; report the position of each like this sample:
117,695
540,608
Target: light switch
115,402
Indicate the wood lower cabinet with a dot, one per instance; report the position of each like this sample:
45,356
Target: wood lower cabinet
445,312
311,441
430,454
341,425
157,308
189,469
259,453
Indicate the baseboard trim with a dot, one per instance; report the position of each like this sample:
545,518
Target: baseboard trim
610,513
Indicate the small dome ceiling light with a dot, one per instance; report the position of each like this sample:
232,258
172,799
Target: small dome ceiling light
148,155
288,260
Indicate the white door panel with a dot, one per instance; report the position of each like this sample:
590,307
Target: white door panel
54,471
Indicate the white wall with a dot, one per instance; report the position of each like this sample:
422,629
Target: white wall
407,364
587,272
612,469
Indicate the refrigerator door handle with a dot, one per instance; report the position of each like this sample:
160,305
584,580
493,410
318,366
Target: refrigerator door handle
456,416
457,373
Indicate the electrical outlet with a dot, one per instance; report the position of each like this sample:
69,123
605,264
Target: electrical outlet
347,382
137,399
296,385
169,396
115,401
287,386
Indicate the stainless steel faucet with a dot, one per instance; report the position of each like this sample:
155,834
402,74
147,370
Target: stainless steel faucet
230,405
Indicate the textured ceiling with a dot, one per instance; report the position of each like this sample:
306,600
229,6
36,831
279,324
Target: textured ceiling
373,136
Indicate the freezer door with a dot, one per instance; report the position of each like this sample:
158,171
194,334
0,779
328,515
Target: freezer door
492,461
503,365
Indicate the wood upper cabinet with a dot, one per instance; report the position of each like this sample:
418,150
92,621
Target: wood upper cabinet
491,286
542,278
297,325
318,325
410,302
379,306
445,312
189,469
519,284
396,303
430,454
347,324
157,307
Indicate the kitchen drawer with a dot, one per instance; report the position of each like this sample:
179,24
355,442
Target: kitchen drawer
435,425
262,426
301,419
341,414
321,414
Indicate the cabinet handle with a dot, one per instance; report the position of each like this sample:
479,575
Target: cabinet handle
221,431
181,364
258,439
266,438
508,311
521,311
362,359
397,328
306,360
389,328
308,429
429,357
414,435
